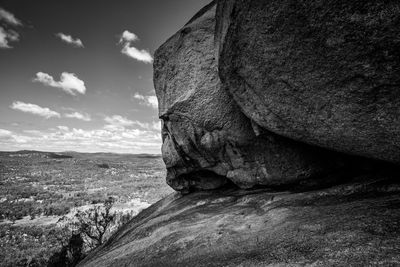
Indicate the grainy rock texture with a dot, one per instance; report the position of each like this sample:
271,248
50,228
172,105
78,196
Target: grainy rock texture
324,73
206,138
321,72
353,224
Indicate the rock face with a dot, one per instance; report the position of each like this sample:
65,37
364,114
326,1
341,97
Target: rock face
325,73
354,224
207,140
293,74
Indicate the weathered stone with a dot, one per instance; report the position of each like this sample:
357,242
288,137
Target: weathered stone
303,70
356,224
206,138
325,73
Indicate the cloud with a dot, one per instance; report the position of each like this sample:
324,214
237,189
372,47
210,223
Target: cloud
120,123
7,137
150,101
34,109
79,116
153,126
63,128
68,39
118,120
69,82
9,18
127,38
6,37
140,55
5,133
118,134
34,132
63,138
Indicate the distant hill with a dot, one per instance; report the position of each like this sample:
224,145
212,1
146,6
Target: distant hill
74,154
107,155
33,153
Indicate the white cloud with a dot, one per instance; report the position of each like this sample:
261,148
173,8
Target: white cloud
157,126
35,132
150,101
7,137
118,134
127,38
34,109
153,126
69,82
119,123
133,52
118,120
70,40
63,128
5,133
9,18
6,37
79,116
64,138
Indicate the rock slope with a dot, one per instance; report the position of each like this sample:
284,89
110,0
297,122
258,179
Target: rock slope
354,224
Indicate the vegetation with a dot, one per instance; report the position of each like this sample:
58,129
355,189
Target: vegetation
37,189
94,224
84,232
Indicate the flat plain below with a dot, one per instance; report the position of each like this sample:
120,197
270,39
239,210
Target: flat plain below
38,188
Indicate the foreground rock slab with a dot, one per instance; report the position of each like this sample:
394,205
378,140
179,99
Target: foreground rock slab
354,224
320,72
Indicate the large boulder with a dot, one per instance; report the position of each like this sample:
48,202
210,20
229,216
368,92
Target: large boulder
279,78
207,140
356,224
325,73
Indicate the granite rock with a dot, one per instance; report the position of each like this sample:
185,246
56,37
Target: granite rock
326,73
353,224
207,140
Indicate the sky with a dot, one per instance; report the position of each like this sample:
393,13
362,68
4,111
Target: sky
77,75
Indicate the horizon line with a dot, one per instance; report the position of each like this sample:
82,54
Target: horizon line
72,151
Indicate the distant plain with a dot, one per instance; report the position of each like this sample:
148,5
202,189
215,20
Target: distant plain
38,188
